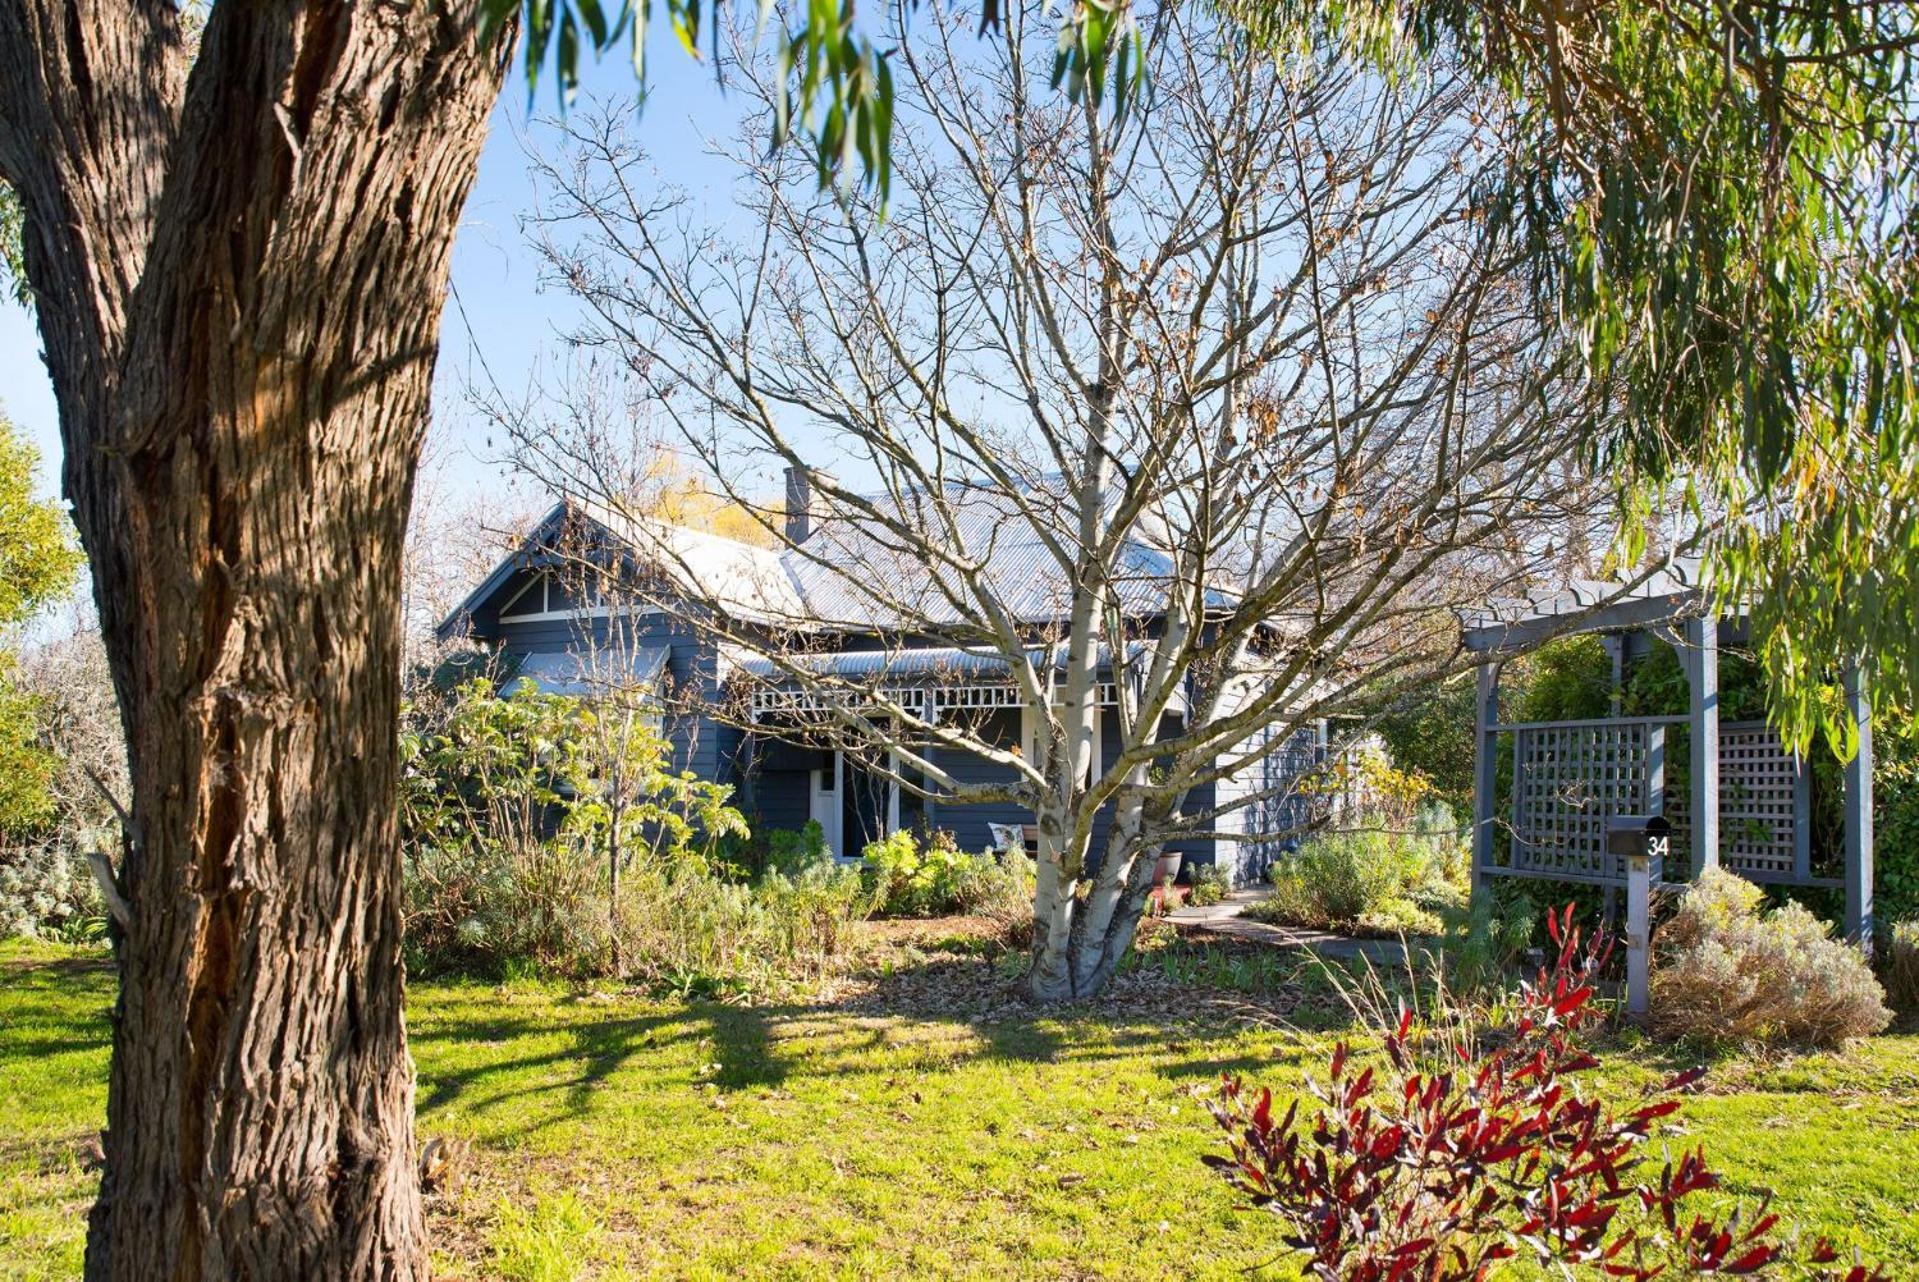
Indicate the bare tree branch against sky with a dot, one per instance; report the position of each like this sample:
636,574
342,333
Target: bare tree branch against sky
1216,420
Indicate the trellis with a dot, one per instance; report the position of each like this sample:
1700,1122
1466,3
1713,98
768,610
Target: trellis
1765,805
1282,806
1747,805
1571,778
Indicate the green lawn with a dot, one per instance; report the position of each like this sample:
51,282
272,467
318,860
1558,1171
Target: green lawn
921,1126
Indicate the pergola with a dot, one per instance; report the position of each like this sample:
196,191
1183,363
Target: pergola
1748,807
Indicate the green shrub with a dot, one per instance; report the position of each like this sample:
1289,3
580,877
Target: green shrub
931,876
1486,941
544,835
1367,879
1899,965
48,892
1725,970
1429,729
789,853
684,929
1210,886
1895,825
506,854
1335,880
1567,679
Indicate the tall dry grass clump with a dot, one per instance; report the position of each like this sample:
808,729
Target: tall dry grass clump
1899,966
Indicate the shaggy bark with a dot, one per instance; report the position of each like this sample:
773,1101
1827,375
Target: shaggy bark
239,275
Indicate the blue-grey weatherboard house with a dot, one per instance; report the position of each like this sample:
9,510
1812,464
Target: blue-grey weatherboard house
566,639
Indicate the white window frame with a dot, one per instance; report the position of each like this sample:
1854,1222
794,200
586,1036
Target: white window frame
547,614
539,581
830,821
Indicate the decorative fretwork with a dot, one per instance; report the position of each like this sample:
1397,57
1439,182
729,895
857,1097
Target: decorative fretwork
985,696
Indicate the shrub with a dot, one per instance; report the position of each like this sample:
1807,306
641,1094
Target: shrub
1725,970
504,850
686,930
1895,824
1428,730
1462,1150
931,876
48,892
1334,880
546,835
1210,885
1436,824
789,853
1486,941
1367,781
1899,965
1366,879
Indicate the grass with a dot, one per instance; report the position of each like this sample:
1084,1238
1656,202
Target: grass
922,1125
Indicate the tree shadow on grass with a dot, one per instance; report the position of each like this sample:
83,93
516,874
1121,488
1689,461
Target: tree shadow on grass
43,971
600,1048
945,1011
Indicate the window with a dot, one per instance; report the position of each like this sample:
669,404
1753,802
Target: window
529,600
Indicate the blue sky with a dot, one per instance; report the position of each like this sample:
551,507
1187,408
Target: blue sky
512,323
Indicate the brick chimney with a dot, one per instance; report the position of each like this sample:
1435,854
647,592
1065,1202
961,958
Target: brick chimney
799,505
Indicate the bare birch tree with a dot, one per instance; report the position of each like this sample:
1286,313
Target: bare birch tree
1209,420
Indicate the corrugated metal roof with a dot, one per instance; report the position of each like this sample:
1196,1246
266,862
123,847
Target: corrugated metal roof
747,579
587,673
854,575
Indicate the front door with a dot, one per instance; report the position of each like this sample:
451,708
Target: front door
865,805
826,800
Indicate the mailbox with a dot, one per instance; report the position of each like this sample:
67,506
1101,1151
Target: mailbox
1648,836
1643,841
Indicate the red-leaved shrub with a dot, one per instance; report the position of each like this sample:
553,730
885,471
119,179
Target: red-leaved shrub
1438,1164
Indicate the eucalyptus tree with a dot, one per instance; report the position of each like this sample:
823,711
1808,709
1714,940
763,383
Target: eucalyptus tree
236,242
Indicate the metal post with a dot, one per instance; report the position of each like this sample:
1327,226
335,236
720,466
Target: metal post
1859,812
1485,772
1638,930
1703,668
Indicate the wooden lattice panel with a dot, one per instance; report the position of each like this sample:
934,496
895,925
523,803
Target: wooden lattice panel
1758,799
1568,781
1283,810
1570,778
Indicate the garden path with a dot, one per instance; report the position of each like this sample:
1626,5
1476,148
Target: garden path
1223,918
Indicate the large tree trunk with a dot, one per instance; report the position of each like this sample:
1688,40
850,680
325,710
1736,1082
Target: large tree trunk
239,286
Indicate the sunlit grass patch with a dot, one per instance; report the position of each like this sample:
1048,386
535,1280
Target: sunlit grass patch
899,1134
